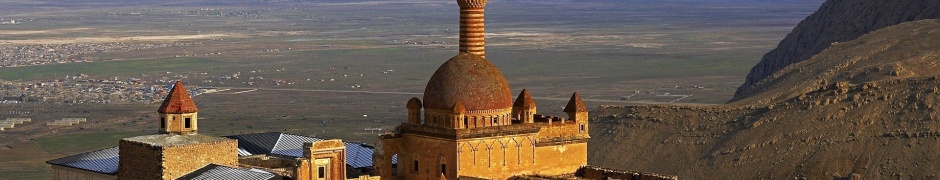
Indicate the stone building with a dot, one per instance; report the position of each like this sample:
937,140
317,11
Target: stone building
468,125
180,152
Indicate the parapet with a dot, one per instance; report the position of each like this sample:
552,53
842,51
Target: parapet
594,172
175,140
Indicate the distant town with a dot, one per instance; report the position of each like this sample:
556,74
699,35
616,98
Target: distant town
81,89
40,54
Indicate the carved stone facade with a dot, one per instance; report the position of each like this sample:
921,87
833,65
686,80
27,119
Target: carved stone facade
471,127
323,160
548,146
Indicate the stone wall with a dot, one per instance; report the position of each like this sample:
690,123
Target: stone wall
507,156
139,161
429,152
180,160
142,161
593,172
266,161
536,148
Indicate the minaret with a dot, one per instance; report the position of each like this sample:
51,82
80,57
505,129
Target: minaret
471,26
178,112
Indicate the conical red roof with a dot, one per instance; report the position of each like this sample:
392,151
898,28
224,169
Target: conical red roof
524,100
178,101
575,104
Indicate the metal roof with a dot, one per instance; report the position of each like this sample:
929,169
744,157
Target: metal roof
358,155
105,161
213,171
102,161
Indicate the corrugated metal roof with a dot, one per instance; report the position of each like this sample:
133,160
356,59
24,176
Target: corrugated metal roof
243,152
292,145
358,155
260,143
214,172
102,161
275,143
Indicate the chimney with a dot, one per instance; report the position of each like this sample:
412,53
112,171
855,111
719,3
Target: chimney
471,26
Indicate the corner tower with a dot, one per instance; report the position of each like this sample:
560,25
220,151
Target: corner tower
472,38
178,114
177,150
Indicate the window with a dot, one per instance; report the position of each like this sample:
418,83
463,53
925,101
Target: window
416,165
466,124
443,169
321,172
582,128
163,122
189,122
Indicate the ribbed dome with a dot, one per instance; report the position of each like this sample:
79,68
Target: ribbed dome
470,80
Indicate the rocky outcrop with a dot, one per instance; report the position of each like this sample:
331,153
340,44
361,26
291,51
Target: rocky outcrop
865,108
835,21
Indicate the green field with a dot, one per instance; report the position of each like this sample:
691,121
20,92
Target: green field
108,68
77,143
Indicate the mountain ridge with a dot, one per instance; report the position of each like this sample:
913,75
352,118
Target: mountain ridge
865,108
835,21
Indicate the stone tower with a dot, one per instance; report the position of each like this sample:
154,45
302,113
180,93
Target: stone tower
524,107
177,150
578,113
178,114
472,37
414,110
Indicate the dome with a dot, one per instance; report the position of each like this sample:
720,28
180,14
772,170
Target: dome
470,80
414,103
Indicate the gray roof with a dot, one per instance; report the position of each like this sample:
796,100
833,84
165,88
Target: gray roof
358,155
101,161
105,161
212,172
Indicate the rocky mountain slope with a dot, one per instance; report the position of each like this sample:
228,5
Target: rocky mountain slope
867,108
836,21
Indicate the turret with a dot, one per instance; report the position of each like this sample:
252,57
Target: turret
578,112
458,116
523,108
178,113
472,37
414,111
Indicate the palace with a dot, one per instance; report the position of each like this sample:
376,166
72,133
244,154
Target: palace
466,127
469,126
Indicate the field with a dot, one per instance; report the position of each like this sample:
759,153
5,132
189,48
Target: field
333,69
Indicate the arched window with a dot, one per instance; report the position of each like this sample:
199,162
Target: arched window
394,165
443,170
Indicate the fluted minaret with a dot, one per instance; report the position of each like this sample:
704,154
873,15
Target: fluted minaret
471,26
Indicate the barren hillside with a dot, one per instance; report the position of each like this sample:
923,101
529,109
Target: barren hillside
836,21
866,108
